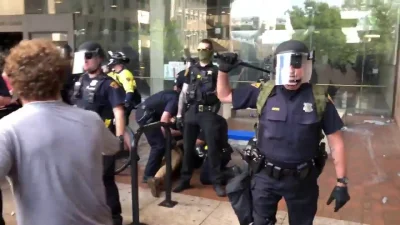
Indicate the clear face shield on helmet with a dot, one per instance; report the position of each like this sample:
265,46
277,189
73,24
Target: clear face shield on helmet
83,61
293,68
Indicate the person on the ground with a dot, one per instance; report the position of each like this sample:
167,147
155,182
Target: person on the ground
95,91
51,151
125,78
293,114
203,105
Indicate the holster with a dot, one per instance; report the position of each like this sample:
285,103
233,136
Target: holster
238,190
321,158
148,117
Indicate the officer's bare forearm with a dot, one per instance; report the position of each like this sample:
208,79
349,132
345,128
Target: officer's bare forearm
4,101
182,100
336,144
175,132
119,114
224,91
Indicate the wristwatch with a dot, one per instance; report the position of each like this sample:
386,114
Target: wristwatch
121,138
343,180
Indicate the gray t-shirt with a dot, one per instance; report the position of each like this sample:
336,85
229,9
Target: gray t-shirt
53,154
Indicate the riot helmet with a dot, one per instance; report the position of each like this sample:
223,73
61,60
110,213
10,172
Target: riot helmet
117,58
180,80
293,63
65,51
88,58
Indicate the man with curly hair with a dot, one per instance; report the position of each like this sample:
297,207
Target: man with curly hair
51,151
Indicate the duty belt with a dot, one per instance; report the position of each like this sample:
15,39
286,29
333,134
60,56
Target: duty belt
277,172
205,108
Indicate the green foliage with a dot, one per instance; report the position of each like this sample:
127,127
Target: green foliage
326,34
383,20
321,24
173,47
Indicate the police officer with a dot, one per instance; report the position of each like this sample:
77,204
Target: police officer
289,135
98,92
202,159
203,105
162,106
125,78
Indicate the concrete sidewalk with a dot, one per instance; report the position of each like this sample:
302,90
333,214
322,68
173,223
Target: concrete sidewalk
191,210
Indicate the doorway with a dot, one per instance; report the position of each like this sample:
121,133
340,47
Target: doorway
9,40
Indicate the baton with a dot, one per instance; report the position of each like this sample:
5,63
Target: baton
245,64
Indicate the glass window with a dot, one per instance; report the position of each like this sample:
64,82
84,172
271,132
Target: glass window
355,42
127,4
355,45
36,7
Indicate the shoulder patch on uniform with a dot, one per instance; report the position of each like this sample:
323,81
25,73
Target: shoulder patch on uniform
114,84
257,85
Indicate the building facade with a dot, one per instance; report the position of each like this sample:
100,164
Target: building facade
356,42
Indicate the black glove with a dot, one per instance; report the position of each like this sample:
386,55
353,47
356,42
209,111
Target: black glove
179,123
228,61
173,142
121,143
341,197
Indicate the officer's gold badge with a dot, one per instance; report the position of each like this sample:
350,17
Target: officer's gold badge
114,84
257,85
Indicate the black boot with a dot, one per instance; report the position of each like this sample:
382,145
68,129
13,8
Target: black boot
181,186
220,190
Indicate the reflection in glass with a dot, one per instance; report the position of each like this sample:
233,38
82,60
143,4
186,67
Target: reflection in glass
355,41
355,44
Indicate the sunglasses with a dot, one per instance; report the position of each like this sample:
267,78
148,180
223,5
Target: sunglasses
90,54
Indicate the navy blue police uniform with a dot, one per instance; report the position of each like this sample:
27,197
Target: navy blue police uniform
285,149
101,94
201,113
151,111
4,92
225,154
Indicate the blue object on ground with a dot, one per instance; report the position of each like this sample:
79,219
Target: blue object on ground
244,135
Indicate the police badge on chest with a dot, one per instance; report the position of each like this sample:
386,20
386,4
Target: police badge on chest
308,107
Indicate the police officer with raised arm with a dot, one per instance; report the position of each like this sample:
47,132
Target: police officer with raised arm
98,92
292,115
199,91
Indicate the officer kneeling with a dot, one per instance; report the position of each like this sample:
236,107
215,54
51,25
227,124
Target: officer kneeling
289,134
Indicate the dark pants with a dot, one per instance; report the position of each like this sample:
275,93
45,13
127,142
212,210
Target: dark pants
301,198
112,193
156,140
208,122
1,209
205,173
